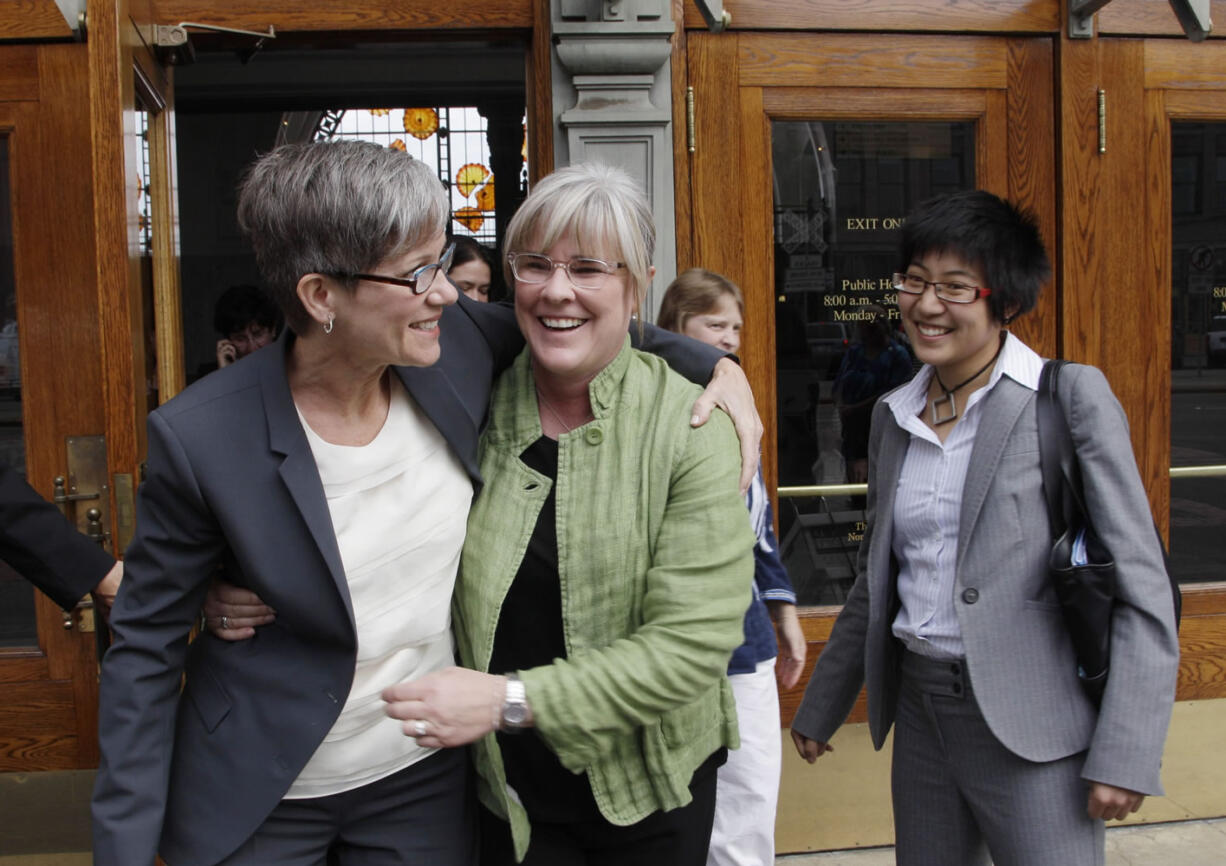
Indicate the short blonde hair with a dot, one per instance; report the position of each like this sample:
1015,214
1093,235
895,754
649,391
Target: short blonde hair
693,293
600,207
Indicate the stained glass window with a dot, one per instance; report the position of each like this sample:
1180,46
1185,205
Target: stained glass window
451,140
145,200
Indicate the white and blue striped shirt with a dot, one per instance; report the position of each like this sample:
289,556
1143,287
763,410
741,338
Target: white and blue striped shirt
929,502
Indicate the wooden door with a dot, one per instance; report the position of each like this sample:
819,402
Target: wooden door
1181,268
87,132
48,669
993,94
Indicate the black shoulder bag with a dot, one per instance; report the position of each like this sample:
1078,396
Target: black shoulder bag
1082,569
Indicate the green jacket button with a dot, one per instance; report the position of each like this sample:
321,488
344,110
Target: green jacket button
594,436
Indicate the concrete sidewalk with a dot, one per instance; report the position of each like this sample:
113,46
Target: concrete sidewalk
1180,843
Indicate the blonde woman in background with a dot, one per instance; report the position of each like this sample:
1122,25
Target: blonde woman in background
709,307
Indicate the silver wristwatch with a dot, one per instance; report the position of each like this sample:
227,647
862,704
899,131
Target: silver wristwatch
514,715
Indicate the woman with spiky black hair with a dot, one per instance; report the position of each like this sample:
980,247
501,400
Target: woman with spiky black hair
953,623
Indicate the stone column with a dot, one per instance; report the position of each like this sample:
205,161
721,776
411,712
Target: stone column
612,97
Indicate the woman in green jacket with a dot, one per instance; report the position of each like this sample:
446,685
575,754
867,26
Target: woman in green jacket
607,567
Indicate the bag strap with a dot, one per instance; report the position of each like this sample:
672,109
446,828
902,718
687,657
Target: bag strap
1058,463
1049,448
1062,472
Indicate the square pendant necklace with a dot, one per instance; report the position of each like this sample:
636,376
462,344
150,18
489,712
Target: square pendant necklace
945,408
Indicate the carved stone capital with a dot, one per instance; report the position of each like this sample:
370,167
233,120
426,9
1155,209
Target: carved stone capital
613,54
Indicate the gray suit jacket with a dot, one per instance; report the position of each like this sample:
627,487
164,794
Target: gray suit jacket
1018,653
232,485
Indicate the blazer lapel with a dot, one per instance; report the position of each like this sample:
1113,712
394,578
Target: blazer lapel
998,416
298,470
890,456
894,442
432,391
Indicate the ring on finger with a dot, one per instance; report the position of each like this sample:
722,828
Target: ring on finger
225,623
420,727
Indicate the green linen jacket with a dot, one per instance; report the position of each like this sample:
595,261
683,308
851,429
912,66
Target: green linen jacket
655,562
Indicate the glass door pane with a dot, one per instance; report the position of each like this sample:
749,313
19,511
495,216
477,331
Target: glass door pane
1198,349
18,627
842,189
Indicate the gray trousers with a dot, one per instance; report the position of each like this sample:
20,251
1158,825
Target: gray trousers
960,796
423,815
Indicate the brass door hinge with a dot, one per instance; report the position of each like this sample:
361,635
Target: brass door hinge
691,135
1102,120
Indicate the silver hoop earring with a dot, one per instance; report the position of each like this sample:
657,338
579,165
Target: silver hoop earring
328,327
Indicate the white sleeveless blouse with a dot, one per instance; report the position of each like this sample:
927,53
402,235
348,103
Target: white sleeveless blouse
399,507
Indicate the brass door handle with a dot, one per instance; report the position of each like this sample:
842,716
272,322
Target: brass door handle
87,471
94,528
84,611
60,494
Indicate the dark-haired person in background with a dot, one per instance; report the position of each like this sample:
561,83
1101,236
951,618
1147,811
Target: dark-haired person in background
873,364
953,623
472,269
247,319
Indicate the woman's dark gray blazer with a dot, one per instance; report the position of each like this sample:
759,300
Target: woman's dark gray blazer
232,485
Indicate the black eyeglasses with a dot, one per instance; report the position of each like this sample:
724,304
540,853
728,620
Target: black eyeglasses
419,282
954,293
535,268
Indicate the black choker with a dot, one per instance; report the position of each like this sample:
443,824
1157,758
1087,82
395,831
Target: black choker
947,395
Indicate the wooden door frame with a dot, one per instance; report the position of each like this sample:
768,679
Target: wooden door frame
114,44
743,81
154,90
531,18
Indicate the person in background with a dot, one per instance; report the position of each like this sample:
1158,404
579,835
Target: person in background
953,623
873,364
247,319
709,307
607,566
472,270
44,548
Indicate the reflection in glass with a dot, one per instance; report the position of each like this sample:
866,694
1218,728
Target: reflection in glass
145,182
17,623
842,190
1198,346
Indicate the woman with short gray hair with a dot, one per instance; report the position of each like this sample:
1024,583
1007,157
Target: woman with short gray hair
317,473
330,473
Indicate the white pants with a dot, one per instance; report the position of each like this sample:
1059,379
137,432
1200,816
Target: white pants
748,784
